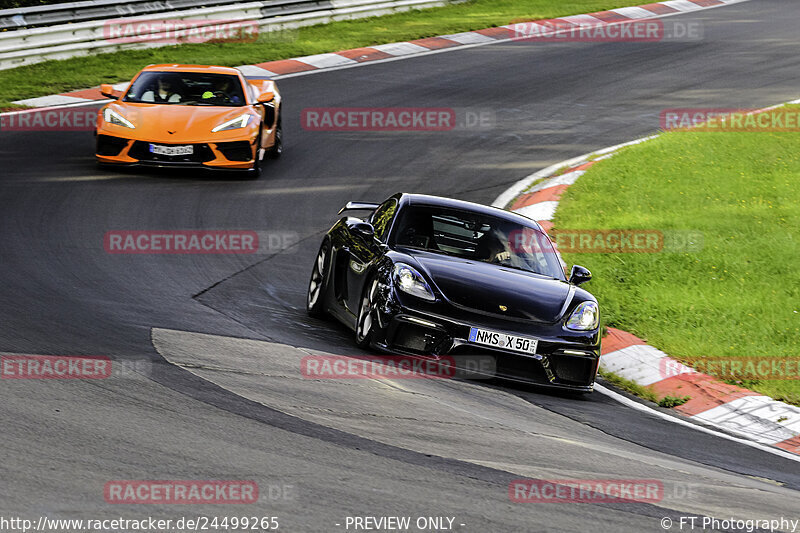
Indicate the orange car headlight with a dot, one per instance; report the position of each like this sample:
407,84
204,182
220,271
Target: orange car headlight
234,124
112,117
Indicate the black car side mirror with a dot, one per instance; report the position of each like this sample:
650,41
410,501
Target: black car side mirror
579,275
362,229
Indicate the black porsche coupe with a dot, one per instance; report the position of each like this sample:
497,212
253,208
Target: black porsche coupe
436,277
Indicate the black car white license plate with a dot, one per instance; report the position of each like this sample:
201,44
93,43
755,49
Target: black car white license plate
504,341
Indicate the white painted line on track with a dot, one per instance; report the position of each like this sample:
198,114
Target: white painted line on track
404,46
641,407
48,108
52,100
515,190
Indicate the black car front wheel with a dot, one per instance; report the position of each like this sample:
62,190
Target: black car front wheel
365,325
316,285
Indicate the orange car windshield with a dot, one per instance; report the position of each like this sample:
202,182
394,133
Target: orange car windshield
186,88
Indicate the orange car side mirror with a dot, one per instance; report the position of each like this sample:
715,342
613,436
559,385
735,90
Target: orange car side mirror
266,97
107,90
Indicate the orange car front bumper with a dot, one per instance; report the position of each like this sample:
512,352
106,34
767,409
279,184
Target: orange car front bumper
228,155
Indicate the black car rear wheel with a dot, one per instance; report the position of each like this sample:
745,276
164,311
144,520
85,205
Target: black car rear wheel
316,286
366,314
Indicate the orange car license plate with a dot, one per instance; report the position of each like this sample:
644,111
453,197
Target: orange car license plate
171,150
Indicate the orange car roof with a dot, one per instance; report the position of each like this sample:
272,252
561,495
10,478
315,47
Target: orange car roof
174,67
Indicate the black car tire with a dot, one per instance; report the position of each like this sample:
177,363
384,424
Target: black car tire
365,324
315,306
277,148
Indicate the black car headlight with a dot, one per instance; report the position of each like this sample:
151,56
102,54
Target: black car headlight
410,281
585,317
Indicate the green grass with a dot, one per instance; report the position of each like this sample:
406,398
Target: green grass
629,386
737,297
647,393
78,73
673,401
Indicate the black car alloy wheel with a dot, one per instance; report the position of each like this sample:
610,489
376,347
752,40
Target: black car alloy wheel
316,286
366,314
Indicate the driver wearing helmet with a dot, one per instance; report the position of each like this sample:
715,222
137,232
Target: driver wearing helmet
165,92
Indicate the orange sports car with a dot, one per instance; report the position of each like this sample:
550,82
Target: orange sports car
191,115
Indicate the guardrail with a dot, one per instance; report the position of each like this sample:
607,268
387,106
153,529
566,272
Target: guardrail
87,34
71,12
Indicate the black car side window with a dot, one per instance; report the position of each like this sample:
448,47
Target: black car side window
381,218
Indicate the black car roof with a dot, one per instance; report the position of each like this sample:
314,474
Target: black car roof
441,201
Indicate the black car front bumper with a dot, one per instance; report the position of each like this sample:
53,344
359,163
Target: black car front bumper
563,359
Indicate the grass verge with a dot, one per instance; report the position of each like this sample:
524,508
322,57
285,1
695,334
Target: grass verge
54,77
629,386
739,296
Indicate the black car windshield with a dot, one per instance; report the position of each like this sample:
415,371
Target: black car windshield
186,88
478,237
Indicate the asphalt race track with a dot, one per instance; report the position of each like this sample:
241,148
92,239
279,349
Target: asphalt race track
212,343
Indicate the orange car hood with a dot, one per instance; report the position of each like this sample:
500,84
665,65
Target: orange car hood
169,123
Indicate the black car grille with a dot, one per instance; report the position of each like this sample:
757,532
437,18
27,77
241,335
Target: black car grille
517,366
236,150
568,370
141,151
110,146
414,338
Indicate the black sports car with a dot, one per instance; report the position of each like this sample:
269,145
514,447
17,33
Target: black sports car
430,276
